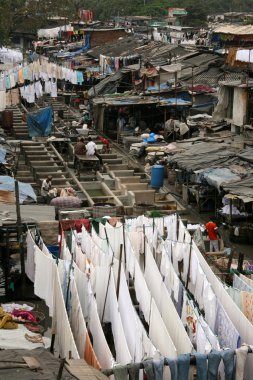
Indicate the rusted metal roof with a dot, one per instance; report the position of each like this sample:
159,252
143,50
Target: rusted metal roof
234,29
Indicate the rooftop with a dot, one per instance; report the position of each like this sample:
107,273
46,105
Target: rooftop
241,30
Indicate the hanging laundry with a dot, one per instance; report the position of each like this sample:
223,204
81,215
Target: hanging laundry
21,79
225,330
159,334
239,283
54,88
60,324
247,305
76,320
15,99
44,289
30,262
2,100
100,344
90,356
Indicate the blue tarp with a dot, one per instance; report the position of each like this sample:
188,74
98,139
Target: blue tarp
40,122
2,156
83,49
163,86
25,189
218,176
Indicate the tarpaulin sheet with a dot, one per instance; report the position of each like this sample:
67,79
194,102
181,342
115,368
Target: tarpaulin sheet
25,189
202,155
83,49
40,122
2,156
241,188
219,176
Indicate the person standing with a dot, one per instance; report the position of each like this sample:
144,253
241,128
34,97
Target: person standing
213,234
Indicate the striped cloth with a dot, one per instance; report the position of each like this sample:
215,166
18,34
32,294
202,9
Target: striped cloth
65,202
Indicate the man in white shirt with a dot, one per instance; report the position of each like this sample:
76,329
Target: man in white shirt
91,150
91,147
46,186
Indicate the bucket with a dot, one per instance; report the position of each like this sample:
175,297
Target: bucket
104,209
157,176
142,208
171,174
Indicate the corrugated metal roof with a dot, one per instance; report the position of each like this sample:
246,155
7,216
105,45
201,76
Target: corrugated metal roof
234,29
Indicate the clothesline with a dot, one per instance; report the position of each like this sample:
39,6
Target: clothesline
38,70
188,293
152,237
220,310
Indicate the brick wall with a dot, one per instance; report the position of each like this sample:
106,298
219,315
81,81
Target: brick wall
101,37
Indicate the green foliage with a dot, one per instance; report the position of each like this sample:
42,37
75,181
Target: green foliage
32,14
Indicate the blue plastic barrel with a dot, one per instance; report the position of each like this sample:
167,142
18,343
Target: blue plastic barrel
157,176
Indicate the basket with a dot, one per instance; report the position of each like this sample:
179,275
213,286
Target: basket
104,209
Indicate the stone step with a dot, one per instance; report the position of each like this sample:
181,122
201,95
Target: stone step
59,181
40,153
23,167
54,174
28,179
39,164
24,173
112,161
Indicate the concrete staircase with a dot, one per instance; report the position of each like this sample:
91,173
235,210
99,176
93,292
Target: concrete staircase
20,130
42,161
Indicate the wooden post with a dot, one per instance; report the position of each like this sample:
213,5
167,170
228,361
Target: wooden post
144,247
240,262
188,272
230,210
119,271
124,242
20,238
109,277
159,85
106,294
192,87
7,263
17,203
52,344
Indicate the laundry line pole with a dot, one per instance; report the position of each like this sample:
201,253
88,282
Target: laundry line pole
119,271
20,238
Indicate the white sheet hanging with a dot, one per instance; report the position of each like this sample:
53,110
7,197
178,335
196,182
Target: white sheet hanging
76,319
142,292
159,336
44,280
60,324
123,355
165,305
100,345
138,342
241,323
84,290
29,263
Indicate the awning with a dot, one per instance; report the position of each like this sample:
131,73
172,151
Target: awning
243,198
